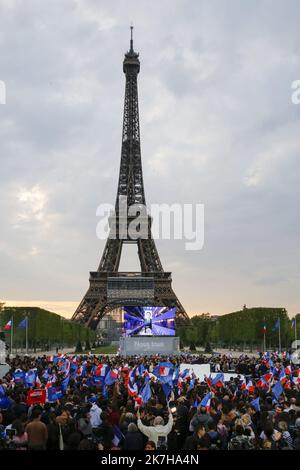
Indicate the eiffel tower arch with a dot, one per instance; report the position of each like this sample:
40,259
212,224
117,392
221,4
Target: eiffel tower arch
108,287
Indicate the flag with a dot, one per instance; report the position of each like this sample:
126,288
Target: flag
164,371
118,435
111,377
277,390
23,324
65,367
8,325
132,389
166,389
54,394
101,370
146,392
65,383
256,404
38,383
18,376
195,404
264,329
277,325
294,323
250,387
30,378
282,376
2,391
176,376
206,401
218,381
36,397
288,370
140,370
5,403
51,379
267,377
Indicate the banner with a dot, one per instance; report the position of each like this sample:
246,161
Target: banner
36,397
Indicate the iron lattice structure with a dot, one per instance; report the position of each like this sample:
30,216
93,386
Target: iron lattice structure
96,302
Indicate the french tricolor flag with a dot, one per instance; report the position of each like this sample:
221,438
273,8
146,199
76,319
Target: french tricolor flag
164,371
101,370
38,383
250,387
282,376
132,389
243,384
288,370
114,373
8,325
267,377
206,401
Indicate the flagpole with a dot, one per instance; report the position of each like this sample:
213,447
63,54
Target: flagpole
11,334
279,336
296,331
26,333
264,335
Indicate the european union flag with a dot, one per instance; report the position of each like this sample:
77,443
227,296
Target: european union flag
277,390
23,324
256,404
277,325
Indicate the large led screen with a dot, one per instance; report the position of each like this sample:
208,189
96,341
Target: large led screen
149,321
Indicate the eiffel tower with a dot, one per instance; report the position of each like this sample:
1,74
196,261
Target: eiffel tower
110,288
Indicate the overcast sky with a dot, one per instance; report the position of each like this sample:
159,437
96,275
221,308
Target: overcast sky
218,127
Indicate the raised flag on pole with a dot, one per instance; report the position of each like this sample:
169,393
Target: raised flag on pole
23,324
8,325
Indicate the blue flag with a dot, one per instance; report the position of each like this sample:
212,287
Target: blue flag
30,378
164,372
256,404
19,375
277,390
218,378
5,403
54,394
146,392
2,391
167,389
277,325
118,435
195,404
206,400
23,324
65,383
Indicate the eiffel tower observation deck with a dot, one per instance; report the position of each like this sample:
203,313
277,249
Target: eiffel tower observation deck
110,288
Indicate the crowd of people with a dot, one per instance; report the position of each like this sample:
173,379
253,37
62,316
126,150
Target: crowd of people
148,403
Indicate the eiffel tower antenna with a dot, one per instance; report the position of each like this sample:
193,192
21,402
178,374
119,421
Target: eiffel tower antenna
131,37
110,288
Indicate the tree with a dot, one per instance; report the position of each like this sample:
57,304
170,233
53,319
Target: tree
78,347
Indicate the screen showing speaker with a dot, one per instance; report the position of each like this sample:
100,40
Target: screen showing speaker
149,321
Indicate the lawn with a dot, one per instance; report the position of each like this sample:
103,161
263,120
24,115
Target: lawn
110,349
